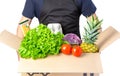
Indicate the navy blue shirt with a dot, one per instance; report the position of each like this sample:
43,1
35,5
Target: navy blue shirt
32,8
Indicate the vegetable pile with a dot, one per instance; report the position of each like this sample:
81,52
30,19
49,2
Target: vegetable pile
40,42
72,47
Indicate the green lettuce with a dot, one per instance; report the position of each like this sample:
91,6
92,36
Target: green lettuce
40,42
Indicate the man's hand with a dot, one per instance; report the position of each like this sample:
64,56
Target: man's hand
90,17
19,32
19,29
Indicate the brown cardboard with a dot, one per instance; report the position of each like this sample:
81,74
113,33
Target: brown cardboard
10,39
25,74
107,37
62,74
72,74
87,63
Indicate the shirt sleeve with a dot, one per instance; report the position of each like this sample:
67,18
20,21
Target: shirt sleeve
87,8
28,10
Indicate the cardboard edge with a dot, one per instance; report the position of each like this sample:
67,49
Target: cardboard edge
107,37
10,39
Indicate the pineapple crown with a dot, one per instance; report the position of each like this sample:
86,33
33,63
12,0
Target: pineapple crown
91,30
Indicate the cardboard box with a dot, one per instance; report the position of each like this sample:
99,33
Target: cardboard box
63,65
61,74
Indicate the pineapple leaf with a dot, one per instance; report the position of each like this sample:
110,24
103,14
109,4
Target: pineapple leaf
86,31
94,35
94,39
90,25
92,19
91,30
98,23
85,38
94,30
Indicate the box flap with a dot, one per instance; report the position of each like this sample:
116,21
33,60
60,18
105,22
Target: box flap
88,63
107,37
10,39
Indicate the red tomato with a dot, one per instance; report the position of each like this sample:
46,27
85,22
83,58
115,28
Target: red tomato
77,51
66,49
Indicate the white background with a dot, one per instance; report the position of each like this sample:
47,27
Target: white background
10,14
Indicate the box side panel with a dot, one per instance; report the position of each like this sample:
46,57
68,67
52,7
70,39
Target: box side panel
74,74
63,74
87,63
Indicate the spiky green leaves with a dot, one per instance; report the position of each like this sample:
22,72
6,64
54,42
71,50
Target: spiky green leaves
92,30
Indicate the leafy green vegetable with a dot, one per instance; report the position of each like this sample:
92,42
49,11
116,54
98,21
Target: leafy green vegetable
40,42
